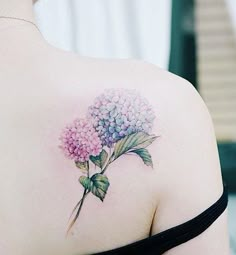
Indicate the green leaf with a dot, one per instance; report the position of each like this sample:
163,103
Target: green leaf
82,165
131,142
144,155
99,185
100,160
86,182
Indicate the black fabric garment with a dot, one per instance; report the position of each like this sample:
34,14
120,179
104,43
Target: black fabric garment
170,238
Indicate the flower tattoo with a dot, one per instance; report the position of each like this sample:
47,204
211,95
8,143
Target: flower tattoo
118,123
80,141
118,113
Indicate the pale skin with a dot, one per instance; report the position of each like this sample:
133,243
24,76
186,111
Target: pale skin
42,88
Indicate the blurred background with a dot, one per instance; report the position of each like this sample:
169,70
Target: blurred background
191,38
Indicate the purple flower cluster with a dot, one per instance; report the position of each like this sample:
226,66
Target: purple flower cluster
80,140
119,112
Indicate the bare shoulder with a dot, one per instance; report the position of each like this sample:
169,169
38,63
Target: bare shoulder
187,177
187,146
188,174
187,169
185,156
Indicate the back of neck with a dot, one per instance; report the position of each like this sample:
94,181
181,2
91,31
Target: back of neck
16,32
21,9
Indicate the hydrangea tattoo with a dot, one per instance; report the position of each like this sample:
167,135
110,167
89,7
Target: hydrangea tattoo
80,141
119,122
118,113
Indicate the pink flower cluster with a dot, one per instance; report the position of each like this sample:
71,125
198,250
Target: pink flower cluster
79,141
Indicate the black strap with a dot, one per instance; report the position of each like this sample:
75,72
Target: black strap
170,238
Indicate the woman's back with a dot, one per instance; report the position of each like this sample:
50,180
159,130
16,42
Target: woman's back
43,90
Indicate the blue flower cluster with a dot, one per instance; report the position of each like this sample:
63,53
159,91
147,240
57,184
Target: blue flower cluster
119,112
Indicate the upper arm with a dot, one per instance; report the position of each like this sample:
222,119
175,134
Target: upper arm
188,170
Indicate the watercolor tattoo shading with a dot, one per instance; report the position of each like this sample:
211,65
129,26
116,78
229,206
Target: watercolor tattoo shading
119,122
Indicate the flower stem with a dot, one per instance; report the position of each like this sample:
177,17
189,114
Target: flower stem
80,204
108,163
86,192
76,206
105,168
